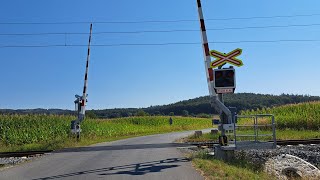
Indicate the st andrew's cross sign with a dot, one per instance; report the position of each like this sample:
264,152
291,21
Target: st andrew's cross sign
223,58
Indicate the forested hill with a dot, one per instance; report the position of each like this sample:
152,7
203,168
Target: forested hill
201,105
242,101
196,106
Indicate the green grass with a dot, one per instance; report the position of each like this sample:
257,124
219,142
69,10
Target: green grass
42,132
217,169
205,137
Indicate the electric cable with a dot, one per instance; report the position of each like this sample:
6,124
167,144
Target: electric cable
157,21
159,31
160,44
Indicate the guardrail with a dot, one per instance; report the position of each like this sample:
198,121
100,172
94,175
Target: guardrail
256,126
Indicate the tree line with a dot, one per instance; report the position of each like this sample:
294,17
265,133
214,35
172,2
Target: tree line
199,107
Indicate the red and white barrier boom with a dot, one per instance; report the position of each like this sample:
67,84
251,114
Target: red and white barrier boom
215,100
81,101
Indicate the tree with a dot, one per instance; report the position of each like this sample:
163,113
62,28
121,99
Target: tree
157,113
115,115
91,115
141,113
185,113
171,114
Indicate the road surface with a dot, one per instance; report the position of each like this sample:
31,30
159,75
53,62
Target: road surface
147,157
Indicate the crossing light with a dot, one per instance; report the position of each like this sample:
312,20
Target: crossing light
224,80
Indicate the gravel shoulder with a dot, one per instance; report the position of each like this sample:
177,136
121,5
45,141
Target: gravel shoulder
309,153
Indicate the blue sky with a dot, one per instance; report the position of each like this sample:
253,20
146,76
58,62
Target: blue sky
140,76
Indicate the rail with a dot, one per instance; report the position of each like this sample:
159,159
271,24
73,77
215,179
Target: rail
210,144
256,126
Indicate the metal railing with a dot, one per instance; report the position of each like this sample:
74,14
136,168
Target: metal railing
256,127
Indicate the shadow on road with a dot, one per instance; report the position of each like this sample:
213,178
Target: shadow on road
131,169
122,147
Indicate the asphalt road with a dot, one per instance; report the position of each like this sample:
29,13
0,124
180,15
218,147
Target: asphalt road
147,157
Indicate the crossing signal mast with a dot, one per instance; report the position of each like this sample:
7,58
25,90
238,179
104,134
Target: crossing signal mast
80,102
216,100
221,81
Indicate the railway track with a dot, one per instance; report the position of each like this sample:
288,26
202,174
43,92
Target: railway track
210,144
22,154
298,141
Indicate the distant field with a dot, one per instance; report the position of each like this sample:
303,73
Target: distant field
302,116
294,121
26,132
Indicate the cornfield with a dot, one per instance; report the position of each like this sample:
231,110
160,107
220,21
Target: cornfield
30,129
302,116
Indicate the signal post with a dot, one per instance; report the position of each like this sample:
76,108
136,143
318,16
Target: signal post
222,81
216,90
81,101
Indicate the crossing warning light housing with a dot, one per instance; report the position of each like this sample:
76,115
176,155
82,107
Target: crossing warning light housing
224,80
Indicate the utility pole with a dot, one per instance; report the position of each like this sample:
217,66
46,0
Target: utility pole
81,101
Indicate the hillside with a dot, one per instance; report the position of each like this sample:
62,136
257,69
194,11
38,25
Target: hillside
200,105
243,101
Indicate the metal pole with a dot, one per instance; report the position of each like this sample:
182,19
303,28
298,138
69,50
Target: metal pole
84,96
274,132
255,128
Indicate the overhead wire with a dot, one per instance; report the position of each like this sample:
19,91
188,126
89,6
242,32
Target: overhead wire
156,21
159,44
159,31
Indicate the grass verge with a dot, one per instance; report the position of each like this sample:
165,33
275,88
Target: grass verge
216,169
281,134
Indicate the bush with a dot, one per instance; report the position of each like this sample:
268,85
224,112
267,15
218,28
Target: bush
185,113
203,115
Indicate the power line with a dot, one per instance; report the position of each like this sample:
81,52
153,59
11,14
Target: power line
159,31
156,21
265,27
264,17
161,44
39,34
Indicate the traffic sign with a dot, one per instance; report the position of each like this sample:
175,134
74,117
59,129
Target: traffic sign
226,58
225,91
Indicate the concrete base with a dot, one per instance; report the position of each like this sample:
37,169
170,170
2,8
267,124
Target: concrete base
225,155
